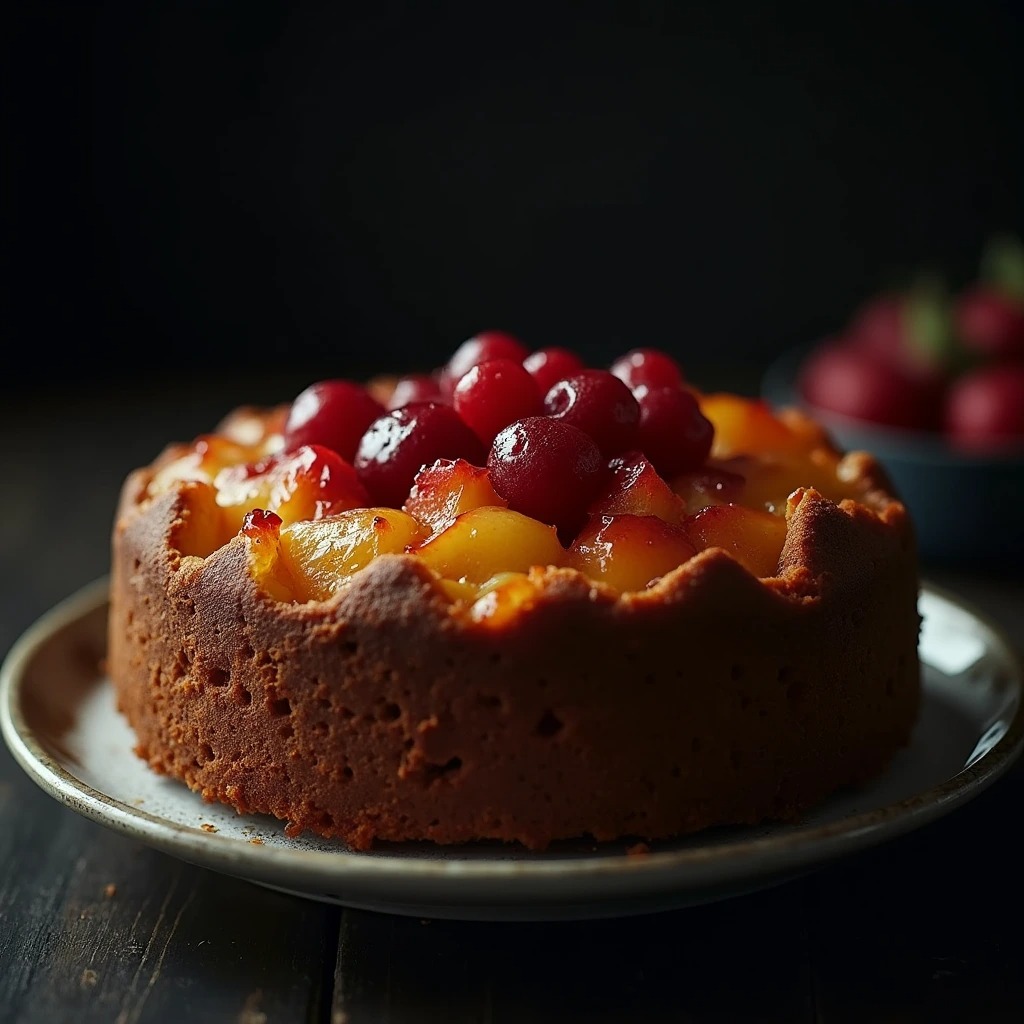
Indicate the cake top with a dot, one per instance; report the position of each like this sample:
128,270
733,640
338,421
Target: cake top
499,464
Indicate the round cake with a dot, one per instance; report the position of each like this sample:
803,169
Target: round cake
520,599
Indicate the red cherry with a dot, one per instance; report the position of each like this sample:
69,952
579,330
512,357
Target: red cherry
479,348
600,404
546,469
990,323
985,407
547,366
841,379
332,413
648,368
415,387
493,394
673,433
397,445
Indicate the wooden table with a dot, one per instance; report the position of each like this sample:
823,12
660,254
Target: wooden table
97,927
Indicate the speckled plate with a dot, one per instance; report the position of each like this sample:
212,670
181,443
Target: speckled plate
60,722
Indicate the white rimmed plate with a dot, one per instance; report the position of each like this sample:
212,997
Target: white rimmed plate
59,720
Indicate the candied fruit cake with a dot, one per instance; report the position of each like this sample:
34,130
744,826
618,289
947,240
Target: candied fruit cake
521,599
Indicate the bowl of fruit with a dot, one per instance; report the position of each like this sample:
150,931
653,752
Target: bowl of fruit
930,380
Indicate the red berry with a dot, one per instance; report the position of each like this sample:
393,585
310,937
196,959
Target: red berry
840,379
332,413
493,394
483,346
879,325
415,387
547,366
985,407
600,404
546,469
673,433
397,445
648,368
990,323
258,521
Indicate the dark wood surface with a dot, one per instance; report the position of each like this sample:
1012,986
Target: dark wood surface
95,927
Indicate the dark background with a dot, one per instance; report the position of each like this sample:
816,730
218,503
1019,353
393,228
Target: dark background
235,189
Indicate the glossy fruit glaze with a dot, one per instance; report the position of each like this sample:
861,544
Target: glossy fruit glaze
503,461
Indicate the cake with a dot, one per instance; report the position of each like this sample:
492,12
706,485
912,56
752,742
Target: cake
519,599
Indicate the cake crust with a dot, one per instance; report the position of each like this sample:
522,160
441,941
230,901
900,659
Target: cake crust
388,714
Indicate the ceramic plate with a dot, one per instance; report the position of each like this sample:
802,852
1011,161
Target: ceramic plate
59,720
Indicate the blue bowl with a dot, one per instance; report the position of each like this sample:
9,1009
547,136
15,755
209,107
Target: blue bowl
966,508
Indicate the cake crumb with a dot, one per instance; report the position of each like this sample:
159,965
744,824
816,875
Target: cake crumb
257,841
110,890
638,850
207,827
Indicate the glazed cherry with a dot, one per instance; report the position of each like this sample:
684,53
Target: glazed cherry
493,394
648,368
415,387
546,469
398,444
600,404
332,413
548,366
673,433
479,348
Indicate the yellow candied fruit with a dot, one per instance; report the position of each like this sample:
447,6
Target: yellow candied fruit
769,480
459,591
202,461
628,552
502,598
636,488
770,453
258,428
749,426
201,529
319,555
444,490
754,537
489,540
261,531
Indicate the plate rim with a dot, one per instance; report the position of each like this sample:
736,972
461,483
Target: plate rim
691,869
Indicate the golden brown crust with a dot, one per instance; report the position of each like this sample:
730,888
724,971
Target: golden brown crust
385,714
